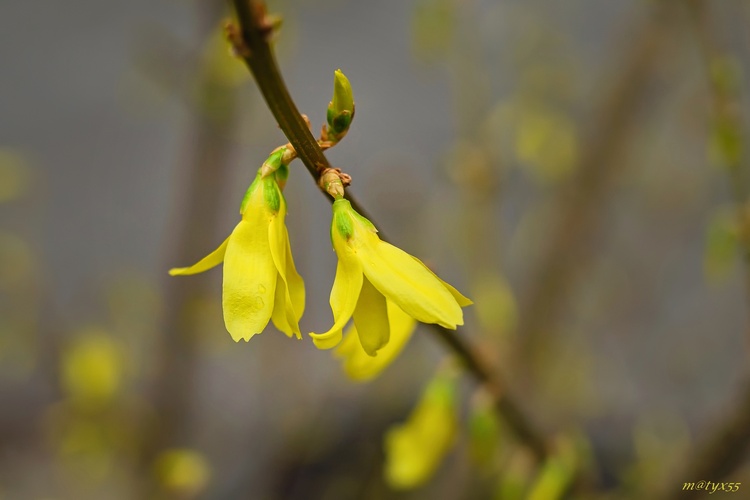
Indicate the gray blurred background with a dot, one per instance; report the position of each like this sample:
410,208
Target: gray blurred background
571,166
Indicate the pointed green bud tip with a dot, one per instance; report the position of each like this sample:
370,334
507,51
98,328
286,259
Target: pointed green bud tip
343,98
341,108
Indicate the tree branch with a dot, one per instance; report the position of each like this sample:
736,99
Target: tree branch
255,29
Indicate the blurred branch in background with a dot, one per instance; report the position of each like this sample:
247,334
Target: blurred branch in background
726,447
204,172
255,29
728,128
30,322
581,201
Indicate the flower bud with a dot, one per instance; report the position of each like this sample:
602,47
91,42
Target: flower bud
341,108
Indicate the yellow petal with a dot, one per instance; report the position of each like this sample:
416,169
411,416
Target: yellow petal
460,298
279,315
211,260
249,276
344,294
358,365
278,239
294,281
371,319
408,283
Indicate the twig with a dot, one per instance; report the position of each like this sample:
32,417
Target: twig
254,33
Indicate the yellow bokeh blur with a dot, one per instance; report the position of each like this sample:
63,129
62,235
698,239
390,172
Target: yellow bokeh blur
92,368
15,177
183,471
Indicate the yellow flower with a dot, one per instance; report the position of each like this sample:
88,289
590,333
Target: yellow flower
369,273
359,365
414,449
260,280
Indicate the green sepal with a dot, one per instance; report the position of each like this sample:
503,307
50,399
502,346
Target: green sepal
272,194
342,221
274,159
282,174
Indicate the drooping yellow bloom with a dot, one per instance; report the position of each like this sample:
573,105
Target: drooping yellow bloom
371,272
359,365
414,449
261,282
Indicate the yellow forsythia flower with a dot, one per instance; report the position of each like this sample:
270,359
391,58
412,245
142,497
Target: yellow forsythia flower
415,449
92,368
182,472
370,272
359,365
260,280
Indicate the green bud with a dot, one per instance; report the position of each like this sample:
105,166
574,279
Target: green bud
343,98
341,108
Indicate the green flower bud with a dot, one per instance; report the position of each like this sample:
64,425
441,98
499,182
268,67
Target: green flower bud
341,108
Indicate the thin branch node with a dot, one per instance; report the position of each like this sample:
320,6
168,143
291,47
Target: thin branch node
234,36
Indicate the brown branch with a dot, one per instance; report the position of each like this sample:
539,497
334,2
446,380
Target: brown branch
254,32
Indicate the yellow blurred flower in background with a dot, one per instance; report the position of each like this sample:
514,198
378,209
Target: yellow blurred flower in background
415,449
91,368
182,472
